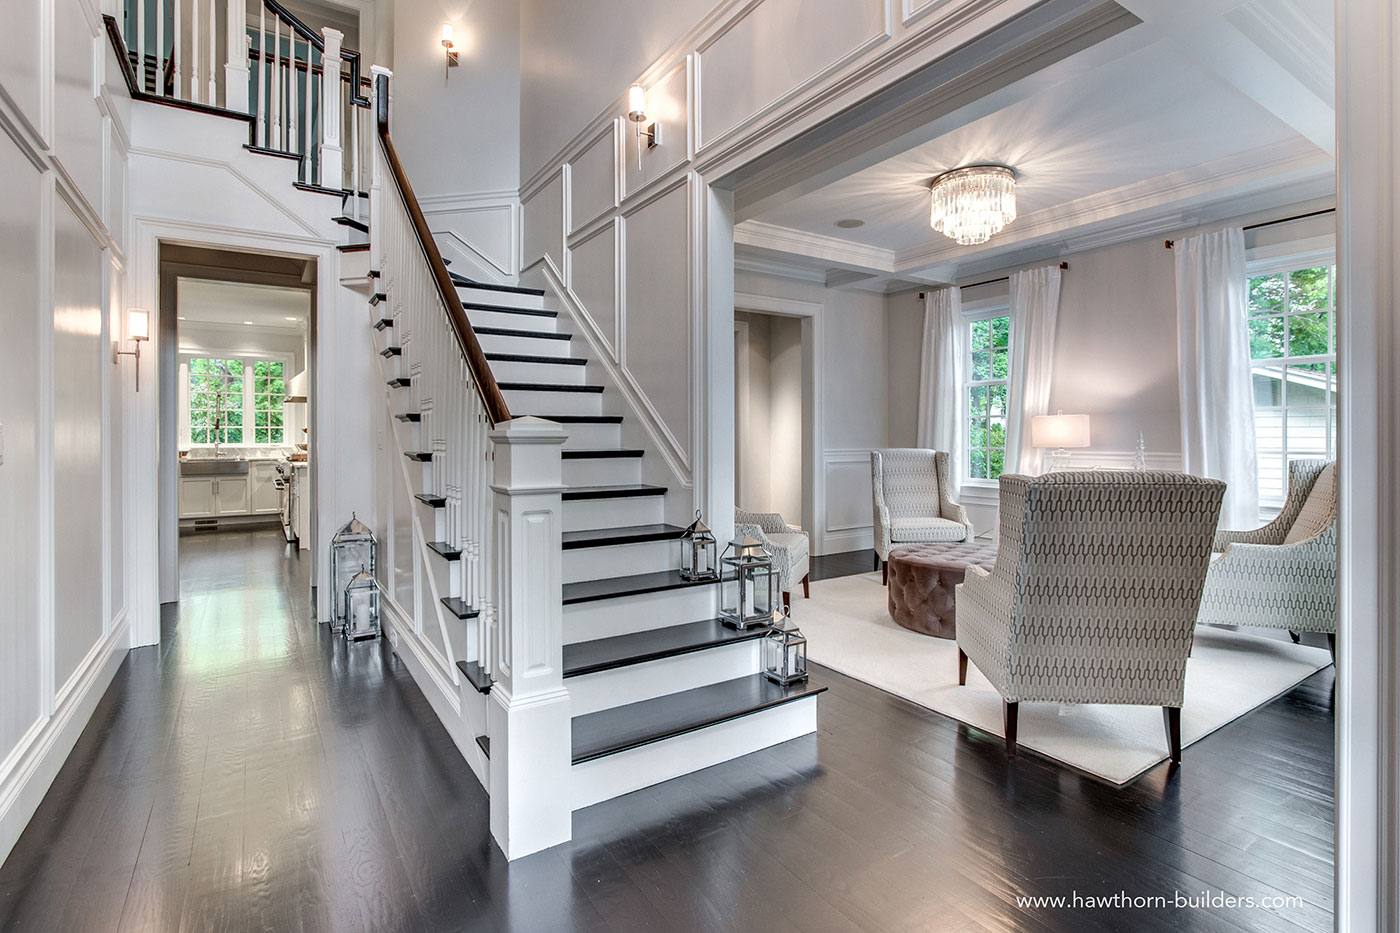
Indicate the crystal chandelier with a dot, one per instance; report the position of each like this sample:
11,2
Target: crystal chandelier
972,203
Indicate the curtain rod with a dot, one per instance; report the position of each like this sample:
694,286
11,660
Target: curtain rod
1004,278
1281,220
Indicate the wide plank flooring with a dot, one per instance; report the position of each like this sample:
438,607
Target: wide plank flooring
256,773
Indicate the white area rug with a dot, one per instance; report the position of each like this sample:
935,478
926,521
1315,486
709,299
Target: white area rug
849,629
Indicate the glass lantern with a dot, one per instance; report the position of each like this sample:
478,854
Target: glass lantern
698,548
361,606
748,585
352,550
785,653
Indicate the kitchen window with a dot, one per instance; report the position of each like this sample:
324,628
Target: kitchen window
235,401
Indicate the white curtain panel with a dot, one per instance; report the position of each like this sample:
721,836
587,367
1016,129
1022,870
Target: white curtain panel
1035,308
941,377
1217,398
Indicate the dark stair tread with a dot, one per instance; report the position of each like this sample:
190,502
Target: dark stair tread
400,382
353,247
413,416
484,743
376,298
445,550
587,591
605,654
352,223
263,150
476,675
459,607
511,332
422,456
581,419
621,728
383,323
391,351
374,273
461,281
610,453
507,309
546,387
628,491
630,534
533,358
321,189
431,501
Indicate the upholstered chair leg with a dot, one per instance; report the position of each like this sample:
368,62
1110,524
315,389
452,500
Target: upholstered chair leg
885,574
877,560
806,586
1171,718
1009,720
787,600
1295,636
1332,645
962,668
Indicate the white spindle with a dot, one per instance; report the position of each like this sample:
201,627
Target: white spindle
177,89
276,103
141,42
160,47
292,139
263,72
212,97
306,122
236,57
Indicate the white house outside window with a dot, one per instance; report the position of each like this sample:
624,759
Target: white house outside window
984,411
1292,335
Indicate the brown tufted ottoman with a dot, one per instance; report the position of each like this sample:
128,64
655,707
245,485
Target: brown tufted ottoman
922,577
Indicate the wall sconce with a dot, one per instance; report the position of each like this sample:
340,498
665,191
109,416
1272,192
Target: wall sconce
637,113
451,49
138,326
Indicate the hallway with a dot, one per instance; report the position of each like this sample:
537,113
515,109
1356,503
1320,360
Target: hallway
255,772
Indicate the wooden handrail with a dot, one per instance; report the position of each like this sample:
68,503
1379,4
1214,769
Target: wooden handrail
491,397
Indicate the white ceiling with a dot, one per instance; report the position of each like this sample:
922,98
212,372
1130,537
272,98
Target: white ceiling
1203,111
265,307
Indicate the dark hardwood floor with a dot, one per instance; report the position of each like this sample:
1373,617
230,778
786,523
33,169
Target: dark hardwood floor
256,773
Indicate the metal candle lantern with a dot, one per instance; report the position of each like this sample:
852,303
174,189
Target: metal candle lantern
698,549
748,586
352,550
361,606
785,653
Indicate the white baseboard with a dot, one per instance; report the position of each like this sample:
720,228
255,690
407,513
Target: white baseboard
855,539
28,771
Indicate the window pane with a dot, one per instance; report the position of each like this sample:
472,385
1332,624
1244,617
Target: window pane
233,418
260,435
260,383
982,364
199,435
1268,437
1307,384
260,418
274,419
260,402
277,388
1307,289
276,435
1307,334
996,400
1001,331
260,368
1268,385
1307,432
981,331
1266,337
977,401
234,367
995,463
1266,294
275,369
977,432
233,436
977,466
996,432
1000,362
199,418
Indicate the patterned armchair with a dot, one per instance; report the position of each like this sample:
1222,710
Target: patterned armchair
913,500
788,546
1283,575
1094,594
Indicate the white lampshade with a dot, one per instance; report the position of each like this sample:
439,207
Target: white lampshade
1060,430
447,34
138,324
636,103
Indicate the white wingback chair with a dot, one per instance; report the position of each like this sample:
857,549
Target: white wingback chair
1283,575
1094,594
788,545
913,500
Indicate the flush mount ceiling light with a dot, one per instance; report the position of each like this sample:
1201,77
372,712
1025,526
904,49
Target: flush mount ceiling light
972,204
850,223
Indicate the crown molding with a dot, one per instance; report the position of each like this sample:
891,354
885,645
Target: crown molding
762,235
762,265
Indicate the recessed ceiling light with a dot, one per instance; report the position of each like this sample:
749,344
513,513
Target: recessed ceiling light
182,317
293,319
850,223
248,323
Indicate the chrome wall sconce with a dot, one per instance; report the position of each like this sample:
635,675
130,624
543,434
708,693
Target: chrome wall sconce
451,49
138,330
637,113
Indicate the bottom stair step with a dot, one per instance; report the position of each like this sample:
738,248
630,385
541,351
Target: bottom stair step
610,731
476,675
603,654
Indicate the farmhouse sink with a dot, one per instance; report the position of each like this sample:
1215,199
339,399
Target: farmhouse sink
212,467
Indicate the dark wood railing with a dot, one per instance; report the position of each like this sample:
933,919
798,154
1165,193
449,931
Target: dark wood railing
485,380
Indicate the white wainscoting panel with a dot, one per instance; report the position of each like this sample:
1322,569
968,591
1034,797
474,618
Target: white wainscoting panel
593,280
849,525
478,231
593,178
736,84
543,211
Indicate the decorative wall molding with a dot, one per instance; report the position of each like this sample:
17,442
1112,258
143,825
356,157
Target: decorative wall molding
847,523
496,250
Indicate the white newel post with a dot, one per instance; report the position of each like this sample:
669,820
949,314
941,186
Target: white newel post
236,65
332,154
529,718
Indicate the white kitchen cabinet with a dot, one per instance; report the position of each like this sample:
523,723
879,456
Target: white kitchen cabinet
231,494
265,496
197,498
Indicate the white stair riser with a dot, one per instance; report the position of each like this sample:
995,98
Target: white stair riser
590,693
590,436
557,373
534,346
531,401
601,563
604,618
487,296
614,775
536,322
583,514
603,471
